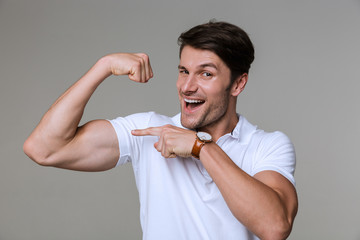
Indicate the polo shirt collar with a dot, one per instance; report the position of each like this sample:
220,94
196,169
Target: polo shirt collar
243,130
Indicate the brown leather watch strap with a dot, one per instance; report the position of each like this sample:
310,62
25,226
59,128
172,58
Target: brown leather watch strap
195,152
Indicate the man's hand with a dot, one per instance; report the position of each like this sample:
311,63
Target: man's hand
173,141
135,65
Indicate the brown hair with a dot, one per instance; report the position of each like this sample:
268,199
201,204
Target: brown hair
229,42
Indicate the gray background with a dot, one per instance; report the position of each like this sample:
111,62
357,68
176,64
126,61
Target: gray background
304,81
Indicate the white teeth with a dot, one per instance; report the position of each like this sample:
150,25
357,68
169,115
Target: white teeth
193,101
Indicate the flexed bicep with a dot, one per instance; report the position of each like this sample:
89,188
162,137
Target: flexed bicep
58,141
94,148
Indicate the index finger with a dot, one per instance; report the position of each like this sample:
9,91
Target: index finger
151,131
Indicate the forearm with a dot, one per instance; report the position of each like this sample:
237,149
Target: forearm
253,203
64,115
59,125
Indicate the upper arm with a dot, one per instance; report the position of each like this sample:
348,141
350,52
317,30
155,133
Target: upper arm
284,189
274,166
94,148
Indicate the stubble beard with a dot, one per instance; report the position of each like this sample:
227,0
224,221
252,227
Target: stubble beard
209,117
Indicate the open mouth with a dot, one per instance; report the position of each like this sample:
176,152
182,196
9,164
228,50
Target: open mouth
193,104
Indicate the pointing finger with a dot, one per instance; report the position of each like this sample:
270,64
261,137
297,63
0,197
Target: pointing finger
151,131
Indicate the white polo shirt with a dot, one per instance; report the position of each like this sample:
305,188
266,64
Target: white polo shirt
178,198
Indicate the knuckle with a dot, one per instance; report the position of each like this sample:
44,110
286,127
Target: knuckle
137,64
144,56
164,130
168,141
167,128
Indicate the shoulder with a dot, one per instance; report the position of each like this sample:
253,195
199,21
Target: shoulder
274,151
270,138
270,151
247,133
271,142
142,120
272,146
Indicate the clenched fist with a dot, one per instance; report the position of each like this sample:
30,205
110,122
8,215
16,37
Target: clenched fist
135,65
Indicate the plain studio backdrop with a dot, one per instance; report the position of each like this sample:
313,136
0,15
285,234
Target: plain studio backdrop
304,81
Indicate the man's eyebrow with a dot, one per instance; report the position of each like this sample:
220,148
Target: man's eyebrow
181,67
208,65
201,66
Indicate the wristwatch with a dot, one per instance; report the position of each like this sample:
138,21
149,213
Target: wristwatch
201,139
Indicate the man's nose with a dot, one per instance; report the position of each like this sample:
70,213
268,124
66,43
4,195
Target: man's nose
190,85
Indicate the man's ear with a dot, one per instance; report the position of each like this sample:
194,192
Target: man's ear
239,84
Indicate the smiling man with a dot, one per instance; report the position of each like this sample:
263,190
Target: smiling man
206,173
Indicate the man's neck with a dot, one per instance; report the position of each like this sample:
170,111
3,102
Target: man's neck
226,125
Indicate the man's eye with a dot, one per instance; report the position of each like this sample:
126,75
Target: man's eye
183,71
207,74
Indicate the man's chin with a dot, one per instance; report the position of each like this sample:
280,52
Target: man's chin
189,123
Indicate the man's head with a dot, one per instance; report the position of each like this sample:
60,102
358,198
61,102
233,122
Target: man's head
214,62
229,42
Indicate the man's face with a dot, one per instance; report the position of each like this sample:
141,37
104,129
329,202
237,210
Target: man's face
203,86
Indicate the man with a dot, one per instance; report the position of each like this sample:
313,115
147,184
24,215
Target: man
206,173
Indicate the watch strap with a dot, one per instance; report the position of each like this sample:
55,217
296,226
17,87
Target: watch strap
195,152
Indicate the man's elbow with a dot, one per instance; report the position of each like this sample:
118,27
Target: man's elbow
33,151
278,231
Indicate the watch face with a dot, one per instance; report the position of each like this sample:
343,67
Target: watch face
204,136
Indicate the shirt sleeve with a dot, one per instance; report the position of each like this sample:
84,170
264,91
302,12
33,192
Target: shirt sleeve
275,152
129,145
